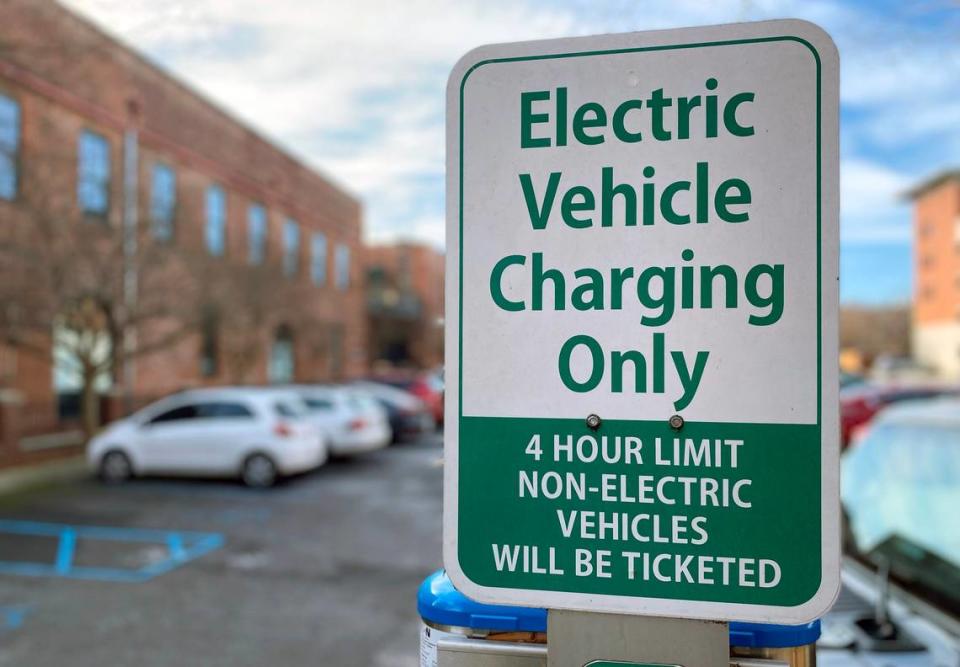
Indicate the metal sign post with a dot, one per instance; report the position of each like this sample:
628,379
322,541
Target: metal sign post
578,639
642,335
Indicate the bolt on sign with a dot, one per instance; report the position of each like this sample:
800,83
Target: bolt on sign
642,323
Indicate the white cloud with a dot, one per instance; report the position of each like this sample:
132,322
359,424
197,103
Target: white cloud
305,72
357,88
871,202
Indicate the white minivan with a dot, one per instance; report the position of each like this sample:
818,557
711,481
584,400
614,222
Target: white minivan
256,434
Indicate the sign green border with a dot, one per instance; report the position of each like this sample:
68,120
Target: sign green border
641,49
825,71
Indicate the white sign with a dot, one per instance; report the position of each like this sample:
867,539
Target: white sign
643,229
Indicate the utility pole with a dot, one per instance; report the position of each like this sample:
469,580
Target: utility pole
131,162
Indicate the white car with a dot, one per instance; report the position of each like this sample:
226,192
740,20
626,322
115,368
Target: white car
409,417
257,434
353,421
900,487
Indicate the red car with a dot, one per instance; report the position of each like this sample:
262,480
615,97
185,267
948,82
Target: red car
428,387
860,403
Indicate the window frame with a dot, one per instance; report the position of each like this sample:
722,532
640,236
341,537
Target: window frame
291,253
14,154
85,173
341,266
318,260
219,223
257,242
282,356
156,223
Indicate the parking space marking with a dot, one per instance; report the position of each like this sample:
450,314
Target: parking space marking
182,547
11,617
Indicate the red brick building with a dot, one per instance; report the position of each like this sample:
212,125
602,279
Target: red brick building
405,304
129,155
936,311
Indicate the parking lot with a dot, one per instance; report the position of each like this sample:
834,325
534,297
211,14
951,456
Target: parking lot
321,570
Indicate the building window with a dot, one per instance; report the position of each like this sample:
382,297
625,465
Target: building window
67,367
257,233
291,248
163,201
282,361
216,233
318,259
93,174
341,266
209,343
9,147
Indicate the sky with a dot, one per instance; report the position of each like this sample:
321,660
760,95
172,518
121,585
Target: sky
356,90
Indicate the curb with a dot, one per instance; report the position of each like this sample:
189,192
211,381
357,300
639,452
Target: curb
26,477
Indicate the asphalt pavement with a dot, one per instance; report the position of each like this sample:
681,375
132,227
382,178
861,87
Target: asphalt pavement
322,570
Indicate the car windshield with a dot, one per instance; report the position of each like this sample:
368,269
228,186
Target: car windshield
390,395
397,382
318,403
361,402
901,493
291,408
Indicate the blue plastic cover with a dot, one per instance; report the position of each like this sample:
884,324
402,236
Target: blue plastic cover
765,635
440,603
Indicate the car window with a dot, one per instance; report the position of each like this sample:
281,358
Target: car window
318,404
180,413
290,408
908,395
361,402
397,383
386,405
901,491
223,410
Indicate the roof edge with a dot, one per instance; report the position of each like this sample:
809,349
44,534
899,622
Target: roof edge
932,182
105,32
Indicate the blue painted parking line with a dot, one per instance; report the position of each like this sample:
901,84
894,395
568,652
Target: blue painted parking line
65,550
182,547
11,617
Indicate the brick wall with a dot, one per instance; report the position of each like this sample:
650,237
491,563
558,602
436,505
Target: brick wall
68,76
419,269
937,253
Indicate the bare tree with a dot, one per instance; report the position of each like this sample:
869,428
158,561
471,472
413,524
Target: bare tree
62,293
876,331
250,301
250,304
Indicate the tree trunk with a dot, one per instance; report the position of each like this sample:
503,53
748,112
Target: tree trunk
89,404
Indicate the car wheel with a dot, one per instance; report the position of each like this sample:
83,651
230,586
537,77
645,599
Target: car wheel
115,467
259,471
